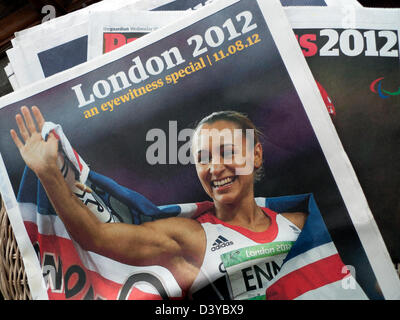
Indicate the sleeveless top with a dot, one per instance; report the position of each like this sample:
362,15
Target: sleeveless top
239,263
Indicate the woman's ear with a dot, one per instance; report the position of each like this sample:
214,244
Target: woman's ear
258,155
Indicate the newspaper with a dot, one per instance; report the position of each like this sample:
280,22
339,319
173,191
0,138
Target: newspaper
11,76
117,110
60,43
342,3
53,53
384,206
108,31
354,55
65,21
131,25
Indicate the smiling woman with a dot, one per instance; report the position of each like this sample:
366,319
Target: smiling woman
195,251
229,157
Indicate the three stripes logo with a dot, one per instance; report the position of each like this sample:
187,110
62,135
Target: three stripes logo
220,242
295,230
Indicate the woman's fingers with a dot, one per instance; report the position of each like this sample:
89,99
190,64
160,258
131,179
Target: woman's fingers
16,139
30,124
53,141
83,187
21,126
51,138
38,116
26,124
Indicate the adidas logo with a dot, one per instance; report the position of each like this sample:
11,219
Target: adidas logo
221,242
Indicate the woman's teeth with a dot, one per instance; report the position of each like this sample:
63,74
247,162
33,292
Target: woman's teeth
222,182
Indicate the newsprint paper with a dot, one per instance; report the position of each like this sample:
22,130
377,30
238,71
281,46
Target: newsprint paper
127,121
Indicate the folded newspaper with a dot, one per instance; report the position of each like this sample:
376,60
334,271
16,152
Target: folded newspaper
354,54
130,115
325,35
64,42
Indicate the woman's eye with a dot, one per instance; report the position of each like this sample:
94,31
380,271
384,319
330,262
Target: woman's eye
204,157
228,153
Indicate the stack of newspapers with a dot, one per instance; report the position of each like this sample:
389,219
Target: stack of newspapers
123,84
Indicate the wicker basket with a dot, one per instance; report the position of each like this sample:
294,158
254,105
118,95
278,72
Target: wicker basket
13,281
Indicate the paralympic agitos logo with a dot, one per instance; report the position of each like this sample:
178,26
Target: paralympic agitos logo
376,87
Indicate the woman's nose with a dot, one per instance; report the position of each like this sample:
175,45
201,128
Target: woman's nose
216,167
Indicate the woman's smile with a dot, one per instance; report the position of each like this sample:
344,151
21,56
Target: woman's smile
223,184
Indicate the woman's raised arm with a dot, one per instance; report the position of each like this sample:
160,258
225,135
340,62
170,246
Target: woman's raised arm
166,242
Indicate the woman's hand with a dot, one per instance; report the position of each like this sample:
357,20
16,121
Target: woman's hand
37,153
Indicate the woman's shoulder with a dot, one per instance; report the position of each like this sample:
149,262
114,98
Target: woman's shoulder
297,218
207,217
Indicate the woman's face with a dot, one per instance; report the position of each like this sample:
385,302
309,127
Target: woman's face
225,161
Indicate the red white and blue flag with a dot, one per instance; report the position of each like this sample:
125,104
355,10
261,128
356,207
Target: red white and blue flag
313,269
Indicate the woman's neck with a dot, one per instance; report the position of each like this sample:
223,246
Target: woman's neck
246,214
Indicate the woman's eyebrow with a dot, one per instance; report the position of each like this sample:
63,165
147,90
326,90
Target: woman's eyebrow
221,147
227,145
202,150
